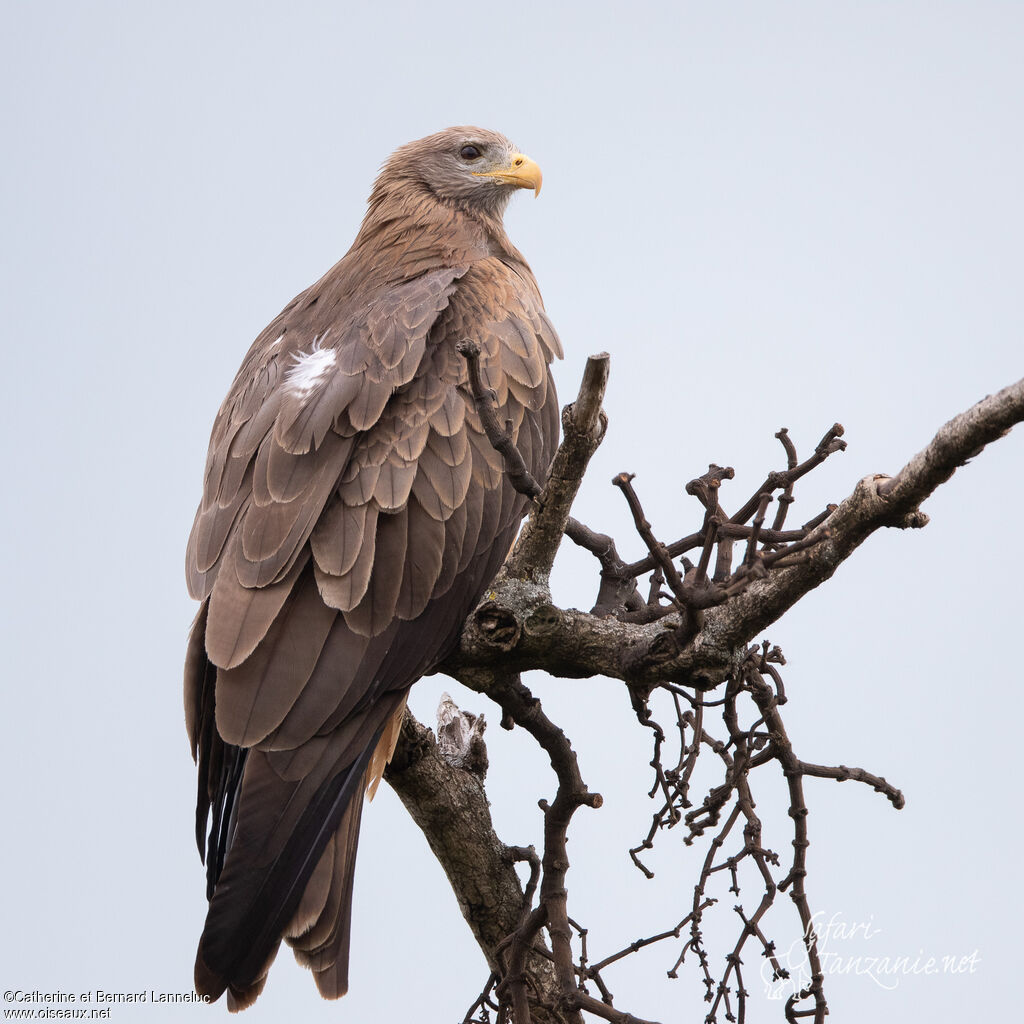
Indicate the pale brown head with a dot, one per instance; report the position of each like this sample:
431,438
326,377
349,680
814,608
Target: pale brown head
465,166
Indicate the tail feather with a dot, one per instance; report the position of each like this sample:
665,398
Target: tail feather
324,945
282,831
318,890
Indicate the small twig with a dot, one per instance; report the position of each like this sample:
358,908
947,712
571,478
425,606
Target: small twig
624,481
635,947
844,774
501,439
755,533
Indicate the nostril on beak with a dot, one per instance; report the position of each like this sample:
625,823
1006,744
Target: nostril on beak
518,162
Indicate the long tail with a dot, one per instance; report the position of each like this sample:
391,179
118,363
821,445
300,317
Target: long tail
281,850
288,873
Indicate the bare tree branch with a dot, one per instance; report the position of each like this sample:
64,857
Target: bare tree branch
583,427
449,804
684,643
574,644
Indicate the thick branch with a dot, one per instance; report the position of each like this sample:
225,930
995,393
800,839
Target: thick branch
574,644
953,446
450,806
876,502
521,707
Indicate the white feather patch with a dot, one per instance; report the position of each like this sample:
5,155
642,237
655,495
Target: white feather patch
310,369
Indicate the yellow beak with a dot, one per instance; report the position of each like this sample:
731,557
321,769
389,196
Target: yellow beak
521,172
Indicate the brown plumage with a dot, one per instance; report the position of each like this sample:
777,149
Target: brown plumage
353,513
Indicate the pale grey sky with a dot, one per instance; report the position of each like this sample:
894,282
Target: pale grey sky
769,214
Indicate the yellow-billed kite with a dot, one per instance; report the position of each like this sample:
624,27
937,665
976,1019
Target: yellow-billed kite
353,513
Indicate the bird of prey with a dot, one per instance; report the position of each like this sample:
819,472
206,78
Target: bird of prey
353,513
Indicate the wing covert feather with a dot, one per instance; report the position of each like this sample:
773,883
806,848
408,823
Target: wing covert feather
337,538
254,697
376,608
239,617
346,590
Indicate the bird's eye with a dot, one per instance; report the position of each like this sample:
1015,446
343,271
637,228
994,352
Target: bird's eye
469,153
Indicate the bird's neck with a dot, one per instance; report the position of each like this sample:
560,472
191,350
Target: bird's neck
422,230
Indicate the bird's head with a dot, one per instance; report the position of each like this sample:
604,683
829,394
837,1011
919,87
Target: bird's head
466,166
